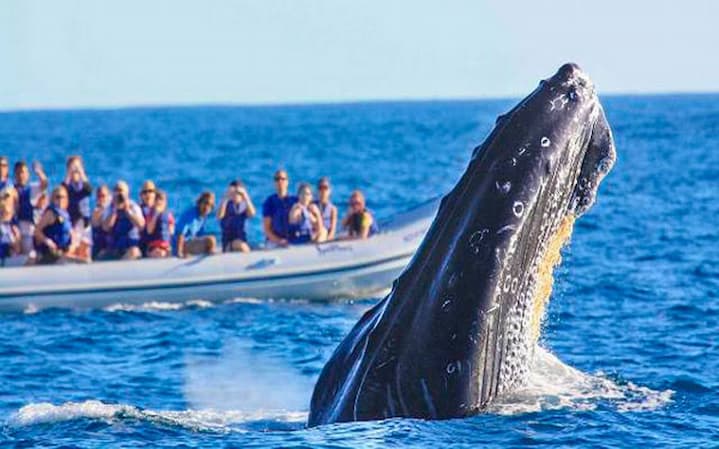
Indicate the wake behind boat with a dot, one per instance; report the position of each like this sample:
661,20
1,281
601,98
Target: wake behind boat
334,269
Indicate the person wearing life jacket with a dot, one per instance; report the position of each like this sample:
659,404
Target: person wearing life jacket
359,222
53,232
148,194
275,212
5,177
305,219
79,191
123,220
100,238
10,239
28,200
236,207
160,228
327,209
192,234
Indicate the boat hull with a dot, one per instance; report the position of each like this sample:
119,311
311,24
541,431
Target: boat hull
332,270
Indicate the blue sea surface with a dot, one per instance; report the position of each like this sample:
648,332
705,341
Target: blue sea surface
631,350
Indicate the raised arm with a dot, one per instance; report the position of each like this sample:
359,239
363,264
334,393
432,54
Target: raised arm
251,211
40,173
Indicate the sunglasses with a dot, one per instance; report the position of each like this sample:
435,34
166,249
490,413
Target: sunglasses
145,192
355,203
59,197
323,187
206,203
5,196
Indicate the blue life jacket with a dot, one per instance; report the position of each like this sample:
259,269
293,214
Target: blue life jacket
326,211
26,210
301,232
233,224
60,231
6,238
78,201
124,234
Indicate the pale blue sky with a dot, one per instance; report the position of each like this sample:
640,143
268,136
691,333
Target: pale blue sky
80,53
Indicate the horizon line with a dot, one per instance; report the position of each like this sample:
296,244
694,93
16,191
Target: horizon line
309,103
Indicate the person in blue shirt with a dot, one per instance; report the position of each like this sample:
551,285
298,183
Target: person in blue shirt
275,212
191,234
233,212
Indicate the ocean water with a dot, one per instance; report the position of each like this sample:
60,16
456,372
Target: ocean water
629,354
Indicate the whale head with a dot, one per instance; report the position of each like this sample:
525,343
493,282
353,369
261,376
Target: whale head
463,319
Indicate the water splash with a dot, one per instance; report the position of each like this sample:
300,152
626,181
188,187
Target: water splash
554,385
195,420
158,306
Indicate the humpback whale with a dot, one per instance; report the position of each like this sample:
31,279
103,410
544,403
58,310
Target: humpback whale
461,322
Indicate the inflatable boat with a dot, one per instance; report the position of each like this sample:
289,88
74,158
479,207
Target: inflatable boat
336,269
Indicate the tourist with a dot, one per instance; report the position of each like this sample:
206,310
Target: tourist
192,235
160,228
327,209
123,221
53,233
28,197
10,238
236,207
359,222
148,194
305,219
100,238
79,192
275,212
